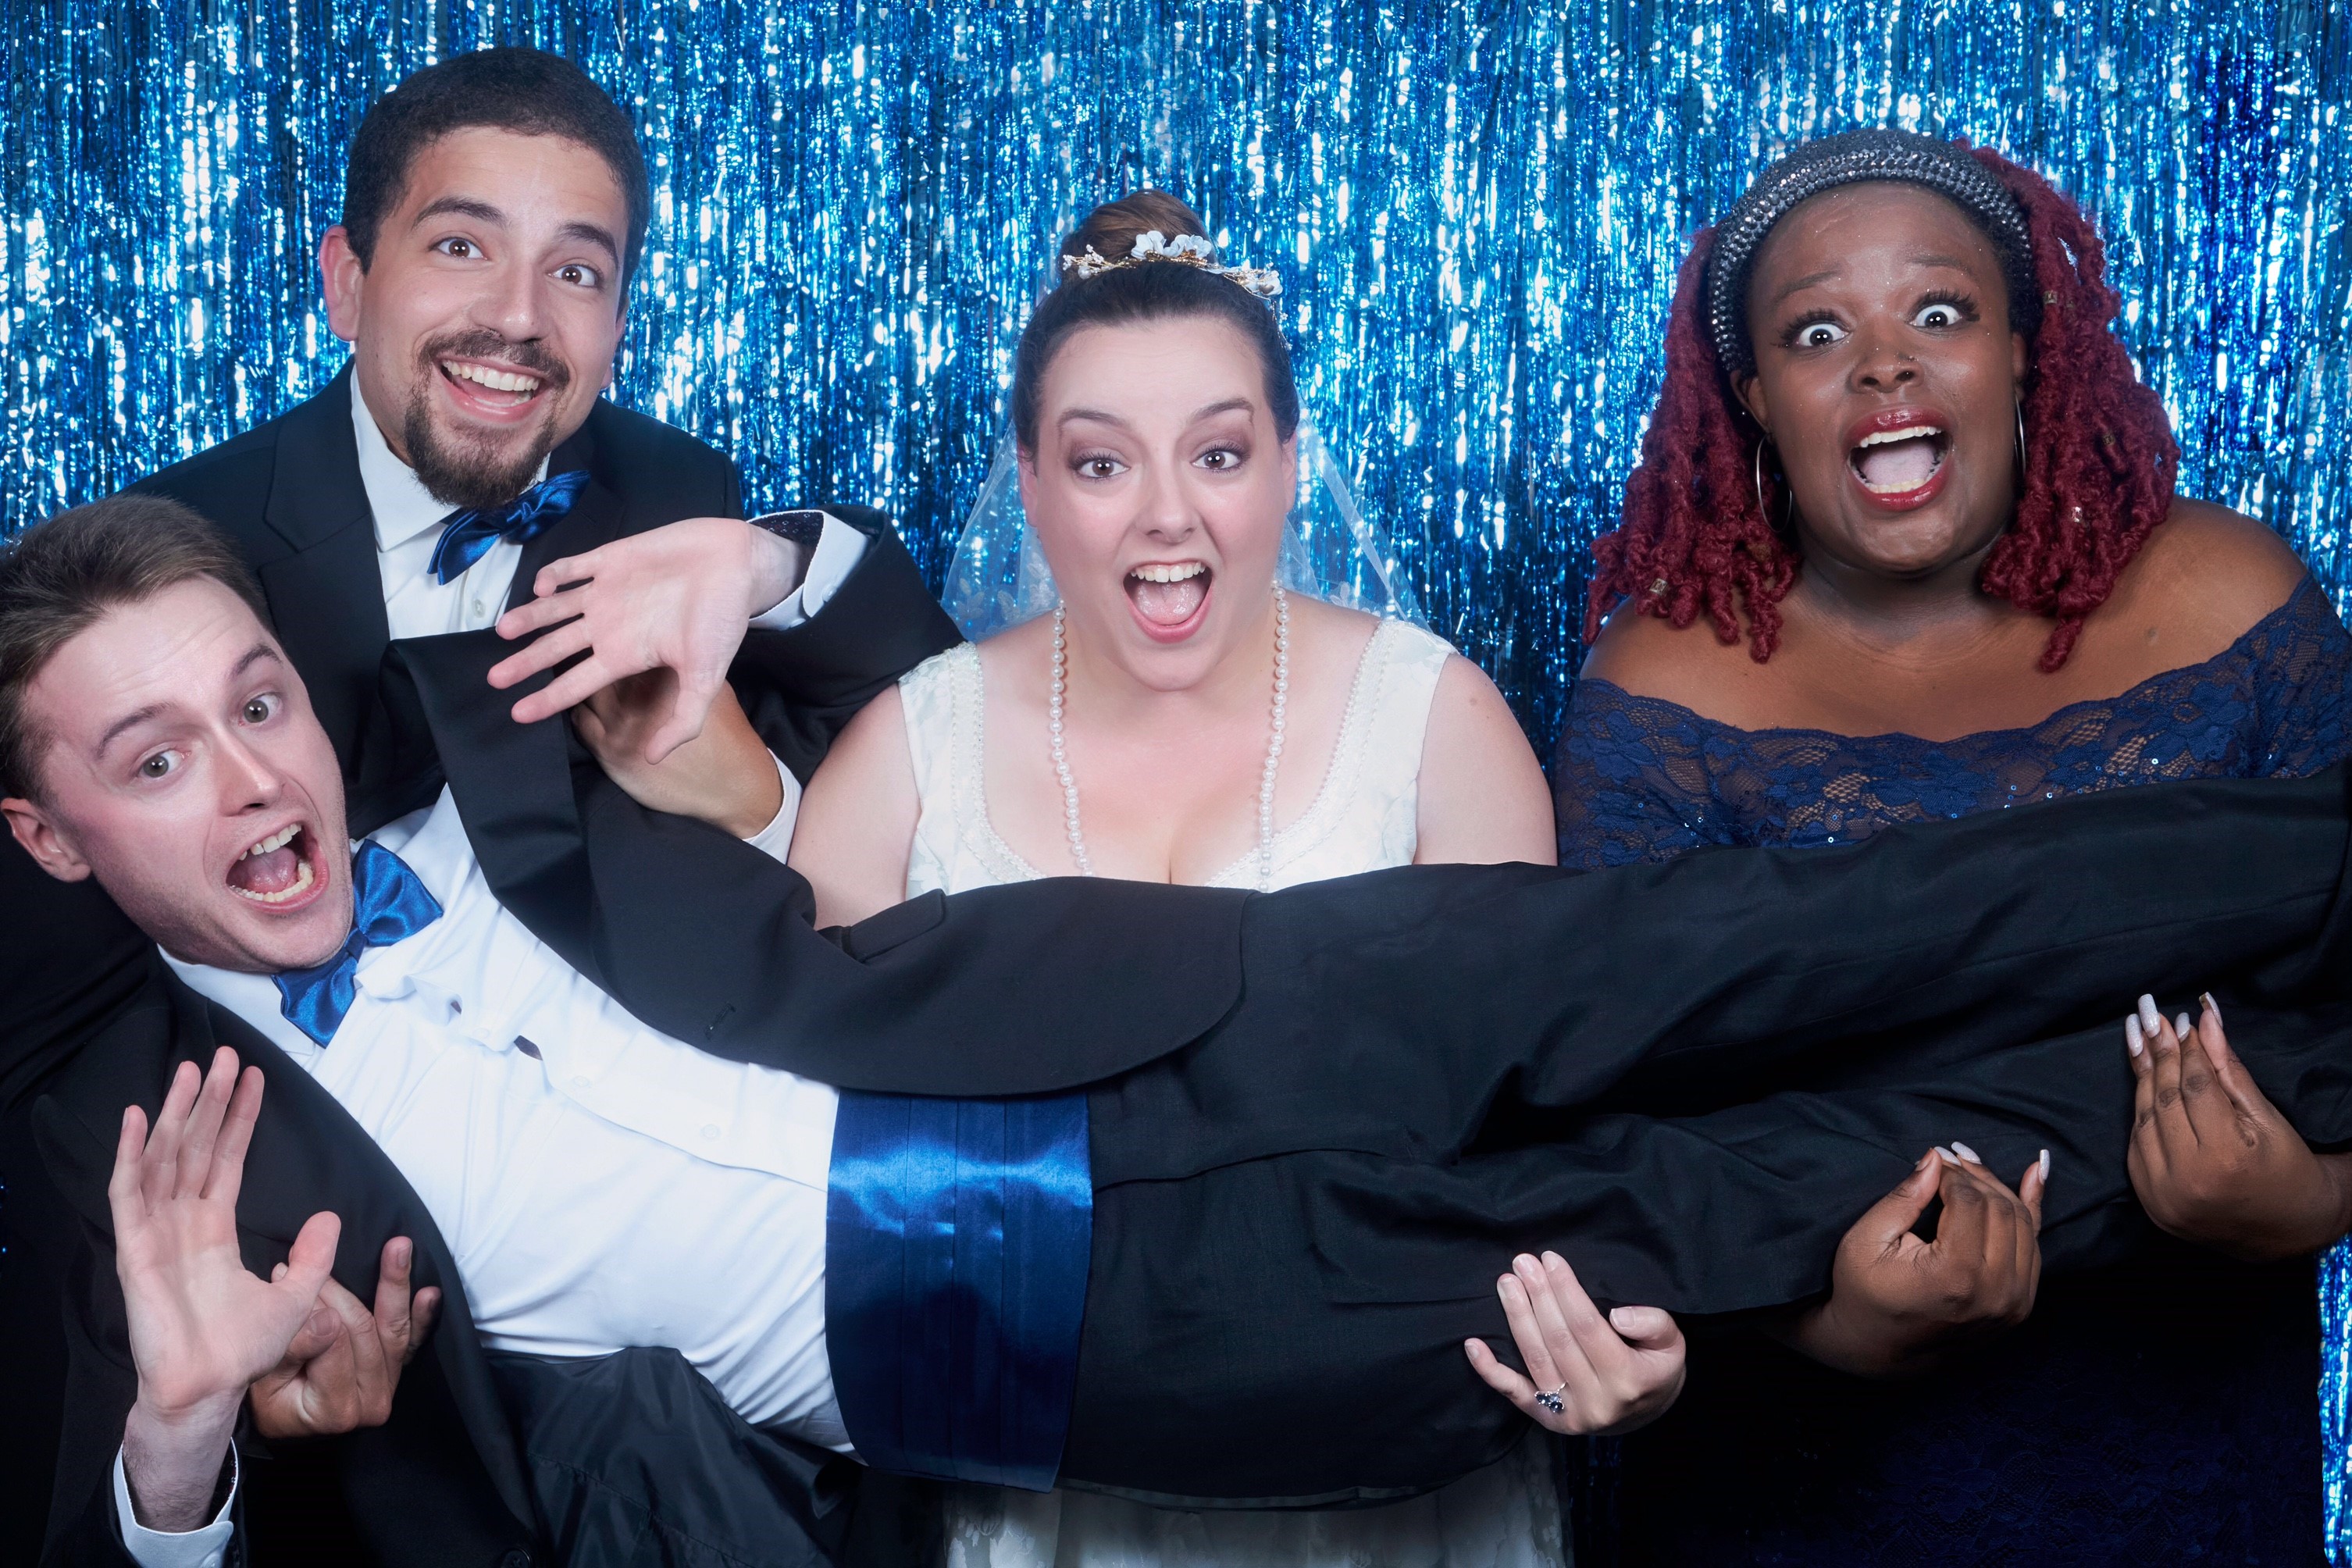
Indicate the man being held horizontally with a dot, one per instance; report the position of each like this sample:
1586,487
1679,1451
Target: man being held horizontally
178,763
575,1183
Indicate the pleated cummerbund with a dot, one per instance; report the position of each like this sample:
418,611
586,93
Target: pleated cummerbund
957,1242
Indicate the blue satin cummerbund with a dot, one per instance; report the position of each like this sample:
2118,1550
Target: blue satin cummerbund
957,1242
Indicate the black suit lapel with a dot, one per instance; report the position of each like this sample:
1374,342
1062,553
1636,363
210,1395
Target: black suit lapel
326,597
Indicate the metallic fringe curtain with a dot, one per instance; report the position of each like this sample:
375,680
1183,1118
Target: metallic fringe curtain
1477,208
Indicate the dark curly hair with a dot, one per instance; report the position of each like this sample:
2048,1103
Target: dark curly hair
2100,462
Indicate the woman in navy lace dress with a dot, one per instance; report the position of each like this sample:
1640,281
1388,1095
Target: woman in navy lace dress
1903,544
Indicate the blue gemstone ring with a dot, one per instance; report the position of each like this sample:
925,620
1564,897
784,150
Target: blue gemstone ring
1549,1398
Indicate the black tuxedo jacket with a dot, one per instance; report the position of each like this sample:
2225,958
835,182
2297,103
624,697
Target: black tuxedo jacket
1457,1026
288,493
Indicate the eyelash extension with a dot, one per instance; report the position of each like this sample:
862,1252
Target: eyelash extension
1789,333
1958,301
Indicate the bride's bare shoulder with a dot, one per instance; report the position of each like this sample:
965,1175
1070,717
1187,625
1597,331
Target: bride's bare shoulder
1022,647
1331,631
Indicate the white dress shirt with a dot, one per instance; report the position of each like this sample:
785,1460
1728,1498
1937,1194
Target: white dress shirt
408,526
622,1093
600,1184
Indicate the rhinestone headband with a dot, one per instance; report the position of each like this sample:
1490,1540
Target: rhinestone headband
1848,159
1186,249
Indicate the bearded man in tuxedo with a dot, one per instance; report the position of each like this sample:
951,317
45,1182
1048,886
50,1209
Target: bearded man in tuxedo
495,211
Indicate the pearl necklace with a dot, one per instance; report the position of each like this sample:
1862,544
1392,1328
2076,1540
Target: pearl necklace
1273,741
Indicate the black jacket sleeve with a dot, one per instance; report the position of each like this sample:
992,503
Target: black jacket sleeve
100,1382
800,687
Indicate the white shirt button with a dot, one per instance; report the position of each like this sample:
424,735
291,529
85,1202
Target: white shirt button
478,609
579,1083
710,1134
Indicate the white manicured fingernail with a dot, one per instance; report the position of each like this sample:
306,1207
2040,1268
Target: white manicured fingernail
2046,1164
2181,1026
2132,1036
1946,1155
2149,1019
2211,1007
1965,1153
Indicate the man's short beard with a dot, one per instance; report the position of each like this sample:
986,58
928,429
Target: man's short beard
466,475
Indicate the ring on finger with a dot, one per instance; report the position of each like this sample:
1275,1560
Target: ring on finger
1549,1398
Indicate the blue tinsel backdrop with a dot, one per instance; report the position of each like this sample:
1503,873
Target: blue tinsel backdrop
1477,208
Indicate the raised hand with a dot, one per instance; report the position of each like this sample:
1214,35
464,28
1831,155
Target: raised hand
1897,1303
2212,1160
1592,1376
342,1367
203,1327
677,597
723,775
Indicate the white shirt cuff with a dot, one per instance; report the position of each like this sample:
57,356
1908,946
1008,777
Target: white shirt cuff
202,1548
838,551
775,840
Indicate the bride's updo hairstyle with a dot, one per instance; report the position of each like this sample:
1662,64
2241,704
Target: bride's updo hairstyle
1148,293
2099,456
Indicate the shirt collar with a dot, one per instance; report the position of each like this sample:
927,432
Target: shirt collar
402,506
433,843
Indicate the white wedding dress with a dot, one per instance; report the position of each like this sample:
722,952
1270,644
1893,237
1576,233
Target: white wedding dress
1362,819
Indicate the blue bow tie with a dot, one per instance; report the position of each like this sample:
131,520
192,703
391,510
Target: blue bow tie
466,536
388,902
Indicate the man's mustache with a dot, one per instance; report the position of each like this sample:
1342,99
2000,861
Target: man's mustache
534,357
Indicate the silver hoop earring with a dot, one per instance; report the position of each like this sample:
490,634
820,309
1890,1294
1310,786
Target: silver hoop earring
2021,435
1761,510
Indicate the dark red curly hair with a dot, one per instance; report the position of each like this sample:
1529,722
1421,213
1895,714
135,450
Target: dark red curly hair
2100,461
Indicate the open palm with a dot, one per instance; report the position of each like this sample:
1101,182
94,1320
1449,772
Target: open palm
203,1326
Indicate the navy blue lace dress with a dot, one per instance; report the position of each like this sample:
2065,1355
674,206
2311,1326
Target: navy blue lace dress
2164,1410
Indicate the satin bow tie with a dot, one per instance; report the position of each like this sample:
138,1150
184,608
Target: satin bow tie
466,536
388,903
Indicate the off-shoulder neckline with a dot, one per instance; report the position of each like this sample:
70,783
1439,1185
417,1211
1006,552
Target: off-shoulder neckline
2307,587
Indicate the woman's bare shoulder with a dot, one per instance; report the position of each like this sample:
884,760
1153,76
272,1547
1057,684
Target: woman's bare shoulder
1647,655
2210,567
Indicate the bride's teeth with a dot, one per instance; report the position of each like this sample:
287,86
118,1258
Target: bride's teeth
1185,573
302,883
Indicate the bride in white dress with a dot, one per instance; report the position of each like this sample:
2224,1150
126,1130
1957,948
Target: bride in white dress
1175,715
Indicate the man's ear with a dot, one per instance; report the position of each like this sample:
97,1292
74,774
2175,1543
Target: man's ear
38,833
341,273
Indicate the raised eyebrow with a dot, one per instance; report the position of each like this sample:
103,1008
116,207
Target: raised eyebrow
129,721
253,655
1105,417
589,234
1937,259
473,207
1807,281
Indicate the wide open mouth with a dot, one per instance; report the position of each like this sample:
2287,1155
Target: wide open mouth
1892,464
278,870
491,385
1170,596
